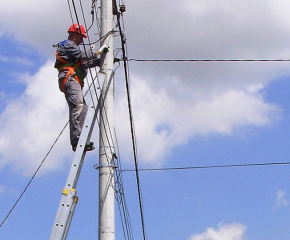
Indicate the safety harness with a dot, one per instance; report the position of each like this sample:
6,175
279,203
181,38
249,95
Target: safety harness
71,69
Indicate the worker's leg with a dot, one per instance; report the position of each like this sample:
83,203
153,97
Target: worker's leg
77,109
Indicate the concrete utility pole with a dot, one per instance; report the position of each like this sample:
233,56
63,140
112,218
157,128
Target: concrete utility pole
106,149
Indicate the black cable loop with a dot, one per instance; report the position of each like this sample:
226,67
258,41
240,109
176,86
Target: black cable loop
100,39
92,13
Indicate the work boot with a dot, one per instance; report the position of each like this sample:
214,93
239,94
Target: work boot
89,146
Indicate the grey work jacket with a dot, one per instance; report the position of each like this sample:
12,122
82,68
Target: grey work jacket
70,52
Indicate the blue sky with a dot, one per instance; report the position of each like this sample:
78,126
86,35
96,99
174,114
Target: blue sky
186,114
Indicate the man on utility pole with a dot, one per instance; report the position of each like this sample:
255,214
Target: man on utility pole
72,65
71,86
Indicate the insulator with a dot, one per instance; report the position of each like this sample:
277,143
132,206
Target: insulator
122,8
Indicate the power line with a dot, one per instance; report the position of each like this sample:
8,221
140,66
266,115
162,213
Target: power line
131,124
119,190
32,178
120,197
206,60
94,87
211,166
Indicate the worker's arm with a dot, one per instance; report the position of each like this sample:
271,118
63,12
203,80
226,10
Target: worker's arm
91,55
93,61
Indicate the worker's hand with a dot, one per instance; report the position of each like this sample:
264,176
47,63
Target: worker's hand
104,48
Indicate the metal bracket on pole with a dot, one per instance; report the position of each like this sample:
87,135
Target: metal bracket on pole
96,166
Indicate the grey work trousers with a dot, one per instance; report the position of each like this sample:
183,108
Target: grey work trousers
77,109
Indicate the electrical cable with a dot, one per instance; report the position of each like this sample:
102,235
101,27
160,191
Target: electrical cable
120,196
103,37
106,35
132,127
87,36
92,13
32,178
108,184
70,11
211,166
112,154
100,39
206,60
111,175
98,99
109,34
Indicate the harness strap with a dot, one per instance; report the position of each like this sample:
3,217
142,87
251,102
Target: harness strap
70,68
70,72
59,58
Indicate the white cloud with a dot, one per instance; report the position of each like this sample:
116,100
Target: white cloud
226,30
172,102
281,200
163,122
31,123
233,231
40,22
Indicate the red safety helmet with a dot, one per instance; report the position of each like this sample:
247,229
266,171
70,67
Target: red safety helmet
78,28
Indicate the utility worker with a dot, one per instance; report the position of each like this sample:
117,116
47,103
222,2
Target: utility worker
72,65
